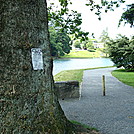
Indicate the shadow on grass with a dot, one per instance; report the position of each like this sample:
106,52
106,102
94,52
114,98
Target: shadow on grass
84,129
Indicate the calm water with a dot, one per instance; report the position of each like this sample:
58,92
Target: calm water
69,64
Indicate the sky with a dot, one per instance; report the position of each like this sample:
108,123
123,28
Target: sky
91,24
109,21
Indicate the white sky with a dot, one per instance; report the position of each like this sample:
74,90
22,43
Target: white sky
91,24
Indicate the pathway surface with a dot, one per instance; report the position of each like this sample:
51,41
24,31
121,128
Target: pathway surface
110,114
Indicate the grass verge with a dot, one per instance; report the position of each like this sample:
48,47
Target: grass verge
69,75
77,74
83,125
125,77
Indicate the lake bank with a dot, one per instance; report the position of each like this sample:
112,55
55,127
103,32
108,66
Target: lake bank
79,63
84,54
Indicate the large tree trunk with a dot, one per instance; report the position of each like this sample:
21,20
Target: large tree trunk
28,104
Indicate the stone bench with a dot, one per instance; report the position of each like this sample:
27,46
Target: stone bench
67,89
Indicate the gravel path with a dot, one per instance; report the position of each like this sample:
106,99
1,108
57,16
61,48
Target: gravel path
110,114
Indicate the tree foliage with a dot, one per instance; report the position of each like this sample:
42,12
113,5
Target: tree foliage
121,51
128,15
70,21
60,42
104,5
77,44
105,38
90,45
65,20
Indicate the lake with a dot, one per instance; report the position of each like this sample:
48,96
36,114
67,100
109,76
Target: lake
69,64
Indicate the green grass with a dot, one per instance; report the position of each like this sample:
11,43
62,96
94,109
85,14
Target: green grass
82,54
83,125
72,74
122,75
125,77
69,75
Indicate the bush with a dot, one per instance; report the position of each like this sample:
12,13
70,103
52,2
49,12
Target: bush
121,52
91,50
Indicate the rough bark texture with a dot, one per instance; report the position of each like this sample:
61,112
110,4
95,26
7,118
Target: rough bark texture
28,104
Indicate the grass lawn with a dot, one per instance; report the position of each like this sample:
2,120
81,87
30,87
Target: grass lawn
125,77
83,125
72,74
82,54
69,75
122,75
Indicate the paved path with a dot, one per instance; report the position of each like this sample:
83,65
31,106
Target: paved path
111,114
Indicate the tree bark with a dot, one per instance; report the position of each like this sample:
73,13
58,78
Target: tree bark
28,101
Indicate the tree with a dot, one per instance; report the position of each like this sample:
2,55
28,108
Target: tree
128,15
65,21
90,45
77,44
121,51
65,40
60,42
28,101
105,38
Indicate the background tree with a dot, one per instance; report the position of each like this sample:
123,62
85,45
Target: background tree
60,42
105,38
121,51
90,45
77,44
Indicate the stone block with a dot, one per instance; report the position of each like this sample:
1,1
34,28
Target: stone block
67,89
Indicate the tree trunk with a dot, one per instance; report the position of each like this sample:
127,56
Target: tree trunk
28,102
